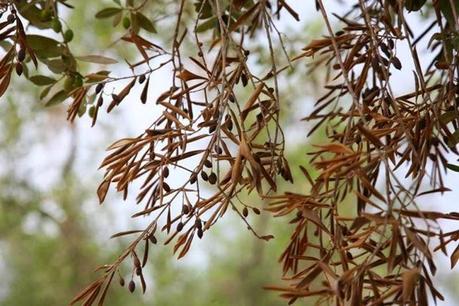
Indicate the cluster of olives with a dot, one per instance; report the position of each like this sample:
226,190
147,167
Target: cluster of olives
47,15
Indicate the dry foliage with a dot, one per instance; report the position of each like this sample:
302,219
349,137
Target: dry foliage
383,151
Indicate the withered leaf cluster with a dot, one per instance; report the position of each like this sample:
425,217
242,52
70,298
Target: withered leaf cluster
359,235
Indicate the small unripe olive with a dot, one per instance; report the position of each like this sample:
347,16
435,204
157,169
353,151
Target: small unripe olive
68,83
92,111
68,35
56,25
78,81
126,22
82,109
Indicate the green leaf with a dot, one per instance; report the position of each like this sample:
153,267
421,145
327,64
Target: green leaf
42,80
445,7
97,77
82,109
117,19
448,117
204,9
44,46
207,25
45,92
97,59
56,65
32,14
414,5
145,23
135,27
5,45
108,12
59,97
453,139
455,168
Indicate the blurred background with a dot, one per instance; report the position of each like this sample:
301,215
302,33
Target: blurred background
53,233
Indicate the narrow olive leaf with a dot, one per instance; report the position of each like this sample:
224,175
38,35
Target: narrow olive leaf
410,278
453,139
290,10
87,291
58,98
108,12
98,76
370,136
126,233
4,83
314,218
336,148
447,117
117,99
41,80
267,237
94,114
145,253
92,297
175,109
145,23
44,46
97,59
250,102
143,283
121,143
245,18
455,168
45,92
454,257
418,242
436,190
102,190
187,75
56,65
105,290
144,95
414,5
211,23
